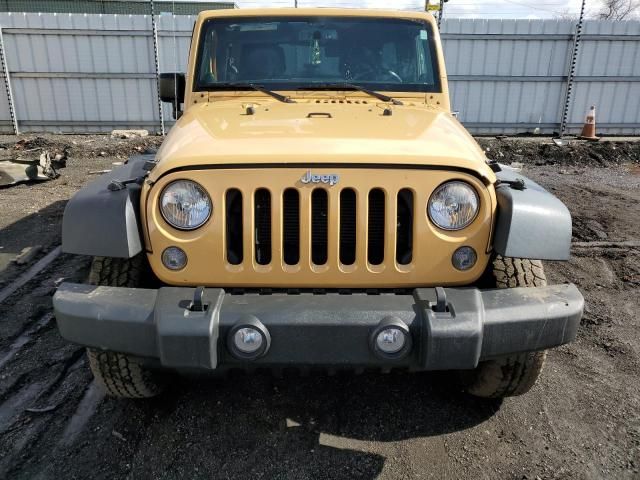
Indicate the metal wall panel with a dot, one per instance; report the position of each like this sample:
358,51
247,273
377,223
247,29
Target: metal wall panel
174,39
81,73
5,117
87,73
6,125
507,76
135,7
612,67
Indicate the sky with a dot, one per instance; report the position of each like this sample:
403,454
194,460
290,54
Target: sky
454,8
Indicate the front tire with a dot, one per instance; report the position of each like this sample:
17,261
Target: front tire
515,374
123,377
120,375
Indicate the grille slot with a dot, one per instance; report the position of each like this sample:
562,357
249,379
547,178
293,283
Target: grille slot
375,251
348,218
262,215
404,229
291,226
319,226
263,227
233,203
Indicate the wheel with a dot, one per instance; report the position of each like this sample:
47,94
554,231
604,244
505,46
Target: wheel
119,374
515,374
118,272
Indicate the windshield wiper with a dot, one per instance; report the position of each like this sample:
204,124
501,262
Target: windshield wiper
252,86
351,86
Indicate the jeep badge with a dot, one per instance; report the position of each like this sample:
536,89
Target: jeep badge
332,179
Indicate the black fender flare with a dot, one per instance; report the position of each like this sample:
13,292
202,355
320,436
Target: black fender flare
104,223
531,223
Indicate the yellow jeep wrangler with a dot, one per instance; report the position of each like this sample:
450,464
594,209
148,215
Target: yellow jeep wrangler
316,206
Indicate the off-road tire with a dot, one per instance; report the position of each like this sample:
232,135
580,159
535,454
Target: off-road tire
119,374
517,272
118,272
516,374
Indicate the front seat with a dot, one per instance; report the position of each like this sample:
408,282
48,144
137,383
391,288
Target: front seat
261,62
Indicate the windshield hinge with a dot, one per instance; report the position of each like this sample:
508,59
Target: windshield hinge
116,185
517,184
494,165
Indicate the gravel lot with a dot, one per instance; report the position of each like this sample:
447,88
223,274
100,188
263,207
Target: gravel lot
581,421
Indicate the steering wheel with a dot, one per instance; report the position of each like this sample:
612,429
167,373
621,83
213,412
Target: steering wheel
395,75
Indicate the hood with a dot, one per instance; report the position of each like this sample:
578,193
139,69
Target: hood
318,131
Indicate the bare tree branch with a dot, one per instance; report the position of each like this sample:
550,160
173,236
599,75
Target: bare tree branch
618,9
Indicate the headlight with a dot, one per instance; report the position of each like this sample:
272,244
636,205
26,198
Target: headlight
453,205
185,205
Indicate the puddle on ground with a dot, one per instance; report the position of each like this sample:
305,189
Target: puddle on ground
86,408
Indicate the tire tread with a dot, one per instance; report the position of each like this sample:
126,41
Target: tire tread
515,374
119,374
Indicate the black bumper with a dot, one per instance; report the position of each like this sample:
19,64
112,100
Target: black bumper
329,330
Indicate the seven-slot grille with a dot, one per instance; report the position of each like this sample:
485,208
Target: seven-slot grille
331,226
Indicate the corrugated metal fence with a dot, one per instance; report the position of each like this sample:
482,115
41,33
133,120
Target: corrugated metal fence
88,73
127,7
510,76
94,73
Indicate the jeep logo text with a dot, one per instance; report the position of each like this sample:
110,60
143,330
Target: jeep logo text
309,177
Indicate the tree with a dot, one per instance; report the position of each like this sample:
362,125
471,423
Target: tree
566,14
618,9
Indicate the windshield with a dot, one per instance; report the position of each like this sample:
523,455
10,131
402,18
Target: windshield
289,53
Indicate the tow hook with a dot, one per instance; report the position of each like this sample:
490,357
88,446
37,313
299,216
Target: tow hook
441,301
198,305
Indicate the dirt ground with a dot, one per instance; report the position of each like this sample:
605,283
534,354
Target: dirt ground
582,420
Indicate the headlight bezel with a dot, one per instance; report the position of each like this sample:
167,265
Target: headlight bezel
469,222
198,187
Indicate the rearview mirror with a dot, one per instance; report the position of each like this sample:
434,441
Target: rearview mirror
172,86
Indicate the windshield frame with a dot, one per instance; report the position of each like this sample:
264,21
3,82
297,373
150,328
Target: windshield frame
308,86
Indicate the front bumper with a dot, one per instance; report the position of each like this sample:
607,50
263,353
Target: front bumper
329,330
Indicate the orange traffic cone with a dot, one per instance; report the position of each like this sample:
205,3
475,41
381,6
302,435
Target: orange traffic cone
589,129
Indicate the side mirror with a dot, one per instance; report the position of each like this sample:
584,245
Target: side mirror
172,86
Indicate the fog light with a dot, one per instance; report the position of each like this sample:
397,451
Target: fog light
464,258
248,339
391,338
174,258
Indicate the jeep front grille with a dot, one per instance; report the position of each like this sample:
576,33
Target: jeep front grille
269,229
321,221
